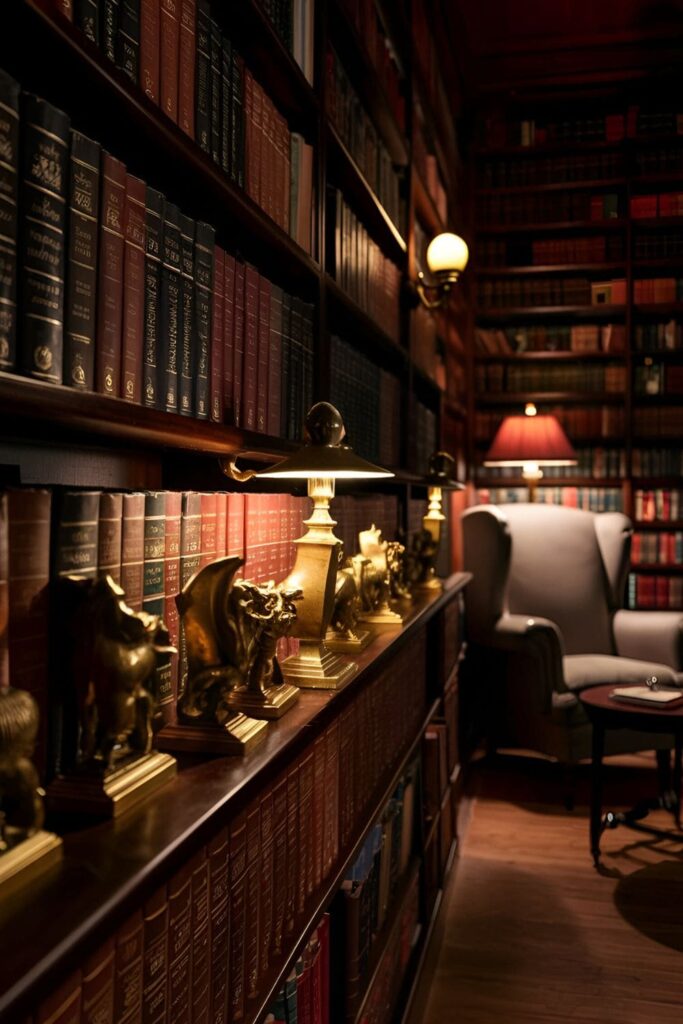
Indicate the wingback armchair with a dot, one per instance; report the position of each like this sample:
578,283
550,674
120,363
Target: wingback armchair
544,620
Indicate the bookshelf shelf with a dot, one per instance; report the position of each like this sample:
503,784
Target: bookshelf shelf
612,224
658,524
566,397
548,481
661,570
554,186
657,222
552,268
551,357
663,399
503,313
559,146
658,308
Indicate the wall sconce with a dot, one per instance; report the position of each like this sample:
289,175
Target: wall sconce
530,441
447,256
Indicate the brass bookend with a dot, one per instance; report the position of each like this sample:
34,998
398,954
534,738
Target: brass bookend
373,579
317,668
343,635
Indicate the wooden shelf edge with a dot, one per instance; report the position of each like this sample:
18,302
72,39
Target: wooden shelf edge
500,313
552,186
613,224
551,268
561,356
564,397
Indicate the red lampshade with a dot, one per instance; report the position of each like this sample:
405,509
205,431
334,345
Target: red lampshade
538,439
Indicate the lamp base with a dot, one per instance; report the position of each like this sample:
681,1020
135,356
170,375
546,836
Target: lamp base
28,860
348,645
110,795
236,738
316,668
273,702
383,618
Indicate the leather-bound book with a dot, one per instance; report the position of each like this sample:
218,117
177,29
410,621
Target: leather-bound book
238,344
9,195
263,357
267,881
236,525
253,899
203,281
294,853
221,524
318,813
180,945
217,339
249,143
110,277
208,529
228,338
75,541
87,17
133,290
305,880
155,959
215,72
203,77
279,864
226,101
110,523
201,937
80,312
150,39
128,42
237,120
110,27
285,357
275,363
128,971
186,68
169,57
324,939
97,997
296,414
331,810
217,855
154,590
238,912
64,1005
171,590
154,235
251,290
42,258
133,549
190,551
169,320
186,384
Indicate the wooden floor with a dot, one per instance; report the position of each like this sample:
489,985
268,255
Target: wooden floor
533,934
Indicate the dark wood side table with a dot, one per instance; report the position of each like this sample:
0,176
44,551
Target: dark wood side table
605,713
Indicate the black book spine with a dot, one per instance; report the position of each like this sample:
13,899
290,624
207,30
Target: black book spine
226,85
9,198
203,75
294,419
187,341
215,44
286,363
205,240
80,313
154,233
45,174
237,120
110,28
87,17
75,550
169,320
308,350
128,39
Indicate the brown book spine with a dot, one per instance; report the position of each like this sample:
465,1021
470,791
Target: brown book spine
217,854
64,1005
293,847
180,945
171,590
97,1006
66,8
155,959
133,290
250,346
217,340
238,345
262,397
331,810
208,529
238,910
150,18
201,937
133,549
305,880
267,882
169,57
128,971
279,864
221,524
186,70
253,892
109,536
318,817
228,338
4,594
110,277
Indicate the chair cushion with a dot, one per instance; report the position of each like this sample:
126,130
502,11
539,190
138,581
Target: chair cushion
582,670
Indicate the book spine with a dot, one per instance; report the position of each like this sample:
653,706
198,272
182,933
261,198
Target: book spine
263,356
238,344
168,57
128,971
215,72
171,588
80,319
267,882
154,591
45,157
279,865
169,324
187,340
204,276
110,277
9,203
150,18
208,529
251,311
203,75
285,356
226,101
63,1006
76,544
305,879
109,536
217,338
293,850
238,910
217,853
237,120
253,880
190,551
133,290
186,72
133,549
201,937
275,363
180,945
128,49
228,338
155,959
154,223
97,996
110,28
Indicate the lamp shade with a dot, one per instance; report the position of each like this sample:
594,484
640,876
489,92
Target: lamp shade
538,439
441,472
447,253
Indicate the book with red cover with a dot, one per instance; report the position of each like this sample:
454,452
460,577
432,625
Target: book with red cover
180,945
267,881
221,524
109,535
64,1005
236,525
217,338
228,338
318,813
331,809
150,17
249,158
128,971
307,827
217,854
238,911
274,363
169,57
133,549
110,277
263,354
251,312
190,551
171,590
253,893
133,290
208,529
294,841
238,344
186,69
279,863
155,959
201,937
97,996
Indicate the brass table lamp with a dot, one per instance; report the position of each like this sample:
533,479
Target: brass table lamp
440,477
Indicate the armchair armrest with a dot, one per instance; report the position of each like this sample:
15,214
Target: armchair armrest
650,636
539,640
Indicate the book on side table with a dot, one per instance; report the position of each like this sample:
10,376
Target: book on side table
647,696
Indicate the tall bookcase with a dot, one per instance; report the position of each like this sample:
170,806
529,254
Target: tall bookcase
56,436
579,261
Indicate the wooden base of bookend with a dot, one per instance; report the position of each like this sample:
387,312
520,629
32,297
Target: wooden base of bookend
113,794
28,860
236,738
274,702
384,618
316,668
344,645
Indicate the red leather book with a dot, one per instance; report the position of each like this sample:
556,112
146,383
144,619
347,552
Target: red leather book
238,344
331,809
208,530
28,514
306,829
109,535
250,346
171,590
249,136
236,525
64,1005
217,854
180,945
169,57
267,881
110,277
238,910
186,69
274,414
217,339
155,959
200,939
253,893
228,338
150,38
263,363
128,971
279,863
97,997
294,853
268,156
317,822
133,290
256,157
221,524
133,549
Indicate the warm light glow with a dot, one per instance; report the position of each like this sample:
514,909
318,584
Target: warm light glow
334,474
530,439
447,253
530,409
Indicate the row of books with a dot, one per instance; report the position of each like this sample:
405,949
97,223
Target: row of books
660,504
591,499
551,338
427,165
382,999
658,379
507,172
359,266
658,245
652,461
645,591
588,249
371,400
423,437
360,512
584,126
662,421
500,377
658,289
293,20
606,422
548,207
651,337
360,136
552,291
656,204
427,347
660,548
659,160
378,46
305,996
597,462
177,54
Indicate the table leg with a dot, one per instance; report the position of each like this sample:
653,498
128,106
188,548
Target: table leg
678,758
596,790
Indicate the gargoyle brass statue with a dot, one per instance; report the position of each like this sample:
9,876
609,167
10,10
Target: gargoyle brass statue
375,584
421,559
343,633
398,586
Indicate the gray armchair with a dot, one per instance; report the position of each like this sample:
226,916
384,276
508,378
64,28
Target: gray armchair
544,620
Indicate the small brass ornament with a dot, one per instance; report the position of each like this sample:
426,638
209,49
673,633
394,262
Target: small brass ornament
398,585
343,634
375,582
421,561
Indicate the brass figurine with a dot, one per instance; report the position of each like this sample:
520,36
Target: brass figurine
343,633
421,560
399,589
375,582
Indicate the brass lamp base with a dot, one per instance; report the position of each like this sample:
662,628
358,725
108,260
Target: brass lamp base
29,859
383,618
110,795
348,645
236,738
316,668
272,703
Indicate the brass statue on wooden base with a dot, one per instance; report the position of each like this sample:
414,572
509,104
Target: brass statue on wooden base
398,584
231,632
425,546
374,581
26,851
109,656
343,634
